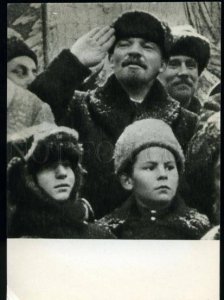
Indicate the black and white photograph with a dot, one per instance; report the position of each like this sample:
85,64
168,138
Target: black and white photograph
113,150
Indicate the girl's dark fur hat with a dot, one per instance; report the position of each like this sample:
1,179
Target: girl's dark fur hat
186,41
17,47
52,145
60,143
143,25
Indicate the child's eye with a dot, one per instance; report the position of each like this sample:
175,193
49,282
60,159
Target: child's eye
170,167
151,168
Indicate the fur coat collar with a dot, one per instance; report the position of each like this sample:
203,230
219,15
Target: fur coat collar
114,110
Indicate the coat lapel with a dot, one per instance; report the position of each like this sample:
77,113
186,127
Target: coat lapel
113,110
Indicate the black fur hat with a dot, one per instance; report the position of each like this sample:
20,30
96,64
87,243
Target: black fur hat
56,144
186,41
143,25
16,46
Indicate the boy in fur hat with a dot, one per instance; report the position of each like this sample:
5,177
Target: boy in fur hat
21,60
188,58
138,44
44,186
149,162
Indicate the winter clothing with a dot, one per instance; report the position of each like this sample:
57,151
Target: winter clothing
195,105
212,234
16,46
213,104
216,89
202,154
190,43
24,109
176,222
100,116
141,24
143,134
37,214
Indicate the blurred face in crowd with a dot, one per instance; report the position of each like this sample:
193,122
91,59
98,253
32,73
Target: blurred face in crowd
22,70
154,179
181,78
57,180
136,60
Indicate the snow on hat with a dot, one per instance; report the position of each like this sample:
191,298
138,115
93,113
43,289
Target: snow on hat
186,41
143,134
141,24
16,46
55,144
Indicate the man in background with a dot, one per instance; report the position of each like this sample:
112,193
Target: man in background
189,56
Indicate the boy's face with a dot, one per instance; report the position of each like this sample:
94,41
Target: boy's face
154,179
57,180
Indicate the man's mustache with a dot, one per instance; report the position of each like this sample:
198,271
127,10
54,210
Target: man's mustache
133,61
184,81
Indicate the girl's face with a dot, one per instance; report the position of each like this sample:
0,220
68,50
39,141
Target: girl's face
154,179
57,180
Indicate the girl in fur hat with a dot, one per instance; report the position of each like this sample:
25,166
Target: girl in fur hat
149,162
44,186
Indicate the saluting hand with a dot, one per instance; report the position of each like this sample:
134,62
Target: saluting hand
92,47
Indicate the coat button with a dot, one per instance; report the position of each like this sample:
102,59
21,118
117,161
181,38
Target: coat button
153,219
153,212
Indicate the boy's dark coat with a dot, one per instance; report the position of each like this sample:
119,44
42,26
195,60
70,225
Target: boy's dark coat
178,222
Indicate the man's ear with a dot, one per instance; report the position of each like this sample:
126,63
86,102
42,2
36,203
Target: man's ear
126,182
163,66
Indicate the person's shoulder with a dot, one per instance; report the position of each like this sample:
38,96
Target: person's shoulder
98,231
117,217
196,220
212,234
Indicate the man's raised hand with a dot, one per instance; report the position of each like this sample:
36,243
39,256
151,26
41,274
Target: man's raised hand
92,47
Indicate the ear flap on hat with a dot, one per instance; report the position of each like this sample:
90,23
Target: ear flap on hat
126,182
14,173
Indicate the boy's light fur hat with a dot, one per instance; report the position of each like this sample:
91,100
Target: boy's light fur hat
144,134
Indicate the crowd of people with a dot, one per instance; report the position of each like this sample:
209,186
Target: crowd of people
135,158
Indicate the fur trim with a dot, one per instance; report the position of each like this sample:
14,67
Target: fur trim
113,109
41,136
137,23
